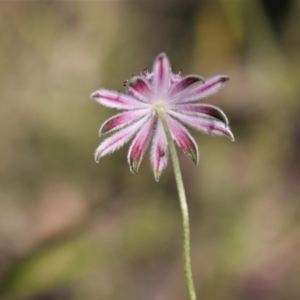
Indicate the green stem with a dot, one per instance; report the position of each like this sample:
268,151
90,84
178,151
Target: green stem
183,206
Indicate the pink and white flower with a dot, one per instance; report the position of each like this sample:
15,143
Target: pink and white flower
177,96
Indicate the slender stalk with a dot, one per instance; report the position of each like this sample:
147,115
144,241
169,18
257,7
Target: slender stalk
183,206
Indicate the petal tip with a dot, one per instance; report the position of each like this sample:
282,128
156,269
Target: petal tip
97,157
157,174
230,134
133,171
161,55
134,166
194,156
133,81
98,154
94,95
225,78
201,78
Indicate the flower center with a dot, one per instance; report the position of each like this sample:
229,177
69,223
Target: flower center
160,106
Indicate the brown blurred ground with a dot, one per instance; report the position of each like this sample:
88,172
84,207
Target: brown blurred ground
72,229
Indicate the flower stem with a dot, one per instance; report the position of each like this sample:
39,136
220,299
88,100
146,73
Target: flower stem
183,206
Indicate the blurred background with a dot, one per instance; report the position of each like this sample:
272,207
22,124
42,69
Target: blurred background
74,229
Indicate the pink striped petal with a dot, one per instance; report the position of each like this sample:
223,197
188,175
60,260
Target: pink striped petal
159,151
139,146
120,120
204,110
140,88
161,74
210,87
118,139
183,139
205,125
184,83
117,100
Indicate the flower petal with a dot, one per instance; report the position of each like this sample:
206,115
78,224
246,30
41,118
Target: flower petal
140,88
117,100
118,139
162,74
139,145
159,151
210,87
183,139
184,83
202,110
120,120
205,125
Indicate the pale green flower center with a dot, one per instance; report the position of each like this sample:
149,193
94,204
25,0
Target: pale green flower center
160,106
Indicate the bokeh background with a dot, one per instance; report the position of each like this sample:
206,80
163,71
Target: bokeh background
74,229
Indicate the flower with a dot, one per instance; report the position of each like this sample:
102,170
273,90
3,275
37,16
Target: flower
176,96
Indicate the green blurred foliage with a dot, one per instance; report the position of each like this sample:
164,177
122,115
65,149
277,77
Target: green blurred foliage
72,229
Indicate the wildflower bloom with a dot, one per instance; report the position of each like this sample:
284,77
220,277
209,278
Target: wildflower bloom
168,92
